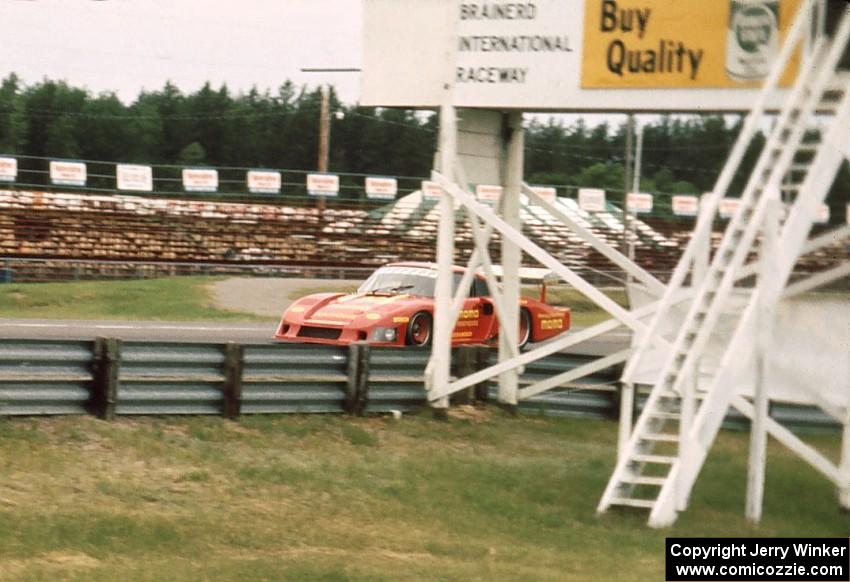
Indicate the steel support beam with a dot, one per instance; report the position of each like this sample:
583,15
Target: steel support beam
511,258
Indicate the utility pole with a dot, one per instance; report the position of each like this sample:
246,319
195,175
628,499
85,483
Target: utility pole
324,136
635,188
627,180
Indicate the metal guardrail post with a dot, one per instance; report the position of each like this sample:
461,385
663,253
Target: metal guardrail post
467,364
106,371
482,389
357,386
234,364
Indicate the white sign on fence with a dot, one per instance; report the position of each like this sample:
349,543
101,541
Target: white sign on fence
548,194
685,205
381,188
639,202
728,207
136,178
322,184
823,214
68,173
200,180
591,199
8,169
263,182
488,193
431,190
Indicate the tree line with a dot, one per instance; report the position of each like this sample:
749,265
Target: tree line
279,129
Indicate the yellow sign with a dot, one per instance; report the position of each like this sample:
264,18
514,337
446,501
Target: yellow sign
684,43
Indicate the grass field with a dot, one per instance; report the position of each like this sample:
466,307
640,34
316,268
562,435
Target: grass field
482,497
189,299
167,299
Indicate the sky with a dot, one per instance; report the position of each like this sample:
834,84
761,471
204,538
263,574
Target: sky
124,46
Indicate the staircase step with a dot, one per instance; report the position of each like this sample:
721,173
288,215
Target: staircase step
697,396
641,480
661,438
667,415
644,503
659,459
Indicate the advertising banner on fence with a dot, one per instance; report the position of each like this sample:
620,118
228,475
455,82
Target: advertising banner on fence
685,205
8,169
728,207
488,193
68,173
822,216
136,178
639,202
322,184
381,188
263,182
431,190
548,194
200,180
591,199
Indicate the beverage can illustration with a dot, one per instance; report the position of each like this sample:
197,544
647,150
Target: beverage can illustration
752,39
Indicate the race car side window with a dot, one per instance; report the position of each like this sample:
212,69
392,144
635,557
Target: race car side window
479,288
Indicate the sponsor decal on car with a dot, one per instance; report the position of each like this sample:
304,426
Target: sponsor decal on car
556,323
462,334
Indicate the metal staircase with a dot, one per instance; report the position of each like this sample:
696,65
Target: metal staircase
677,427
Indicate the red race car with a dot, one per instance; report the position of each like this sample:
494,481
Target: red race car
395,307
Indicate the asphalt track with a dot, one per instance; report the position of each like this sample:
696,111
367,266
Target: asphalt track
246,333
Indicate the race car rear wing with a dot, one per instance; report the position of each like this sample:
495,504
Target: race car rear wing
532,274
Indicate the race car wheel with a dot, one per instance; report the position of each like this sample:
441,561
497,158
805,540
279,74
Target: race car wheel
419,329
524,328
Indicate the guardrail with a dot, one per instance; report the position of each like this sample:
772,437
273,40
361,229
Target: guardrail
109,377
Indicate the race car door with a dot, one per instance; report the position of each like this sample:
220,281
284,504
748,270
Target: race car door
477,318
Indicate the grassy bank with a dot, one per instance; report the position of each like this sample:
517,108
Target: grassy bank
334,498
168,299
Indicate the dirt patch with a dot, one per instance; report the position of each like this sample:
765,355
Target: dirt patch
269,296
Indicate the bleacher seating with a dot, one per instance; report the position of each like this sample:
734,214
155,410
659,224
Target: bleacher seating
129,229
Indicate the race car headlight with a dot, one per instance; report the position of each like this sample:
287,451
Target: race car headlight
384,334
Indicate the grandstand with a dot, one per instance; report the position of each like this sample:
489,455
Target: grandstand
114,235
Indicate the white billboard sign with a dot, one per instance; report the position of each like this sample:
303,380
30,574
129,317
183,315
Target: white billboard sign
200,180
263,182
322,184
488,193
8,169
639,202
572,55
685,205
591,199
135,178
548,194
68,173
381,188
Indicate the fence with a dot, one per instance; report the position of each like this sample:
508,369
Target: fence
109,378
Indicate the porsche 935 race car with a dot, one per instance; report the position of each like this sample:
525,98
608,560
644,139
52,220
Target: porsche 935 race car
395,307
